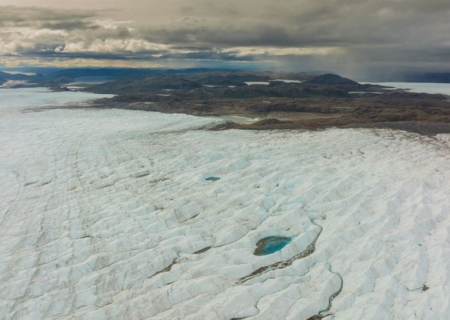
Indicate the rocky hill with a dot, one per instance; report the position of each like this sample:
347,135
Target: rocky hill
332,79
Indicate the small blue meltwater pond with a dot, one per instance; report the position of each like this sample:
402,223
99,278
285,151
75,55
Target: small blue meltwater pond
271,245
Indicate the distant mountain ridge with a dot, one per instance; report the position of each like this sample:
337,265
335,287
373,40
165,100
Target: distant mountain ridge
229,83
97,72
19,76
332,79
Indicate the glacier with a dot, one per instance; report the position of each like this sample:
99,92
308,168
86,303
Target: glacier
108,214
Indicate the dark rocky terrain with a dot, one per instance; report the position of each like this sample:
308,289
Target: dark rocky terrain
311,101
319,101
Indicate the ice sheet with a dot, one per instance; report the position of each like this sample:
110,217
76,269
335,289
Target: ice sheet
106,214
432,88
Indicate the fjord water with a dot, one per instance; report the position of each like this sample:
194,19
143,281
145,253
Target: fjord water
102,212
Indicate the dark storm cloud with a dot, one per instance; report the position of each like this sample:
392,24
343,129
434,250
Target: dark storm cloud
232,35
310,23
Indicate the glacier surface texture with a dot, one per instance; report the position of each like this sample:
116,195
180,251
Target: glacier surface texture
108,214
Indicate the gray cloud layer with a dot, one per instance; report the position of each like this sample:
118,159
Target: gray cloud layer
299,33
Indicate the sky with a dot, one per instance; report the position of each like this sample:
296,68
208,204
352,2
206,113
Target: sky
349,36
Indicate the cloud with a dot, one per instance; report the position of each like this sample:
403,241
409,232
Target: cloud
338,34
69,25
30,16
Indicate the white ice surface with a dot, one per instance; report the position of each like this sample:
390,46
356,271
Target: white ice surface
13,83
13,101
263,83
19,72
432,88
249,83
97,204
288,81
